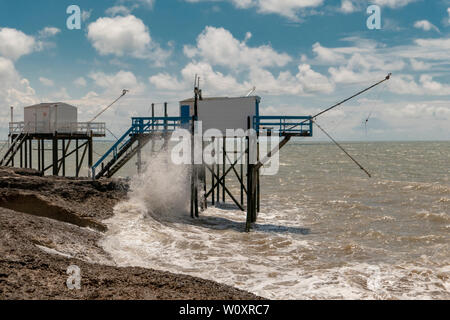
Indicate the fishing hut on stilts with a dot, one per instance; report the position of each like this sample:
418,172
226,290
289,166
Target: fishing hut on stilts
213,124
54,124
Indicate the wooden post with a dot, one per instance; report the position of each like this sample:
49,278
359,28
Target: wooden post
194,203
139,157
21,156
30,152
224,167
166,128
218,172
76,158
26,153
258,188
39,154
55,155
242,149
63,157
212,175
42,156
249,181
90,153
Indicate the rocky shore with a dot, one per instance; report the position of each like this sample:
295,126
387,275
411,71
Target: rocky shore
50,223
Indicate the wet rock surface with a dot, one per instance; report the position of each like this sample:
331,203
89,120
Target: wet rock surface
48,224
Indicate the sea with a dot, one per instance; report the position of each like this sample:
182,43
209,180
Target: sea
325,231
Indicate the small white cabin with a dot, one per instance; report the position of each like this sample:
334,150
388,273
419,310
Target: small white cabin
223,113
50,117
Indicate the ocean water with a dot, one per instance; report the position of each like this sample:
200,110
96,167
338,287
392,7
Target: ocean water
325,231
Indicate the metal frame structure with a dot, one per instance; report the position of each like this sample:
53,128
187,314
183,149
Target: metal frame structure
208,182
23,142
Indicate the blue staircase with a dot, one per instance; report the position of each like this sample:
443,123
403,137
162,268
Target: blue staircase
142,130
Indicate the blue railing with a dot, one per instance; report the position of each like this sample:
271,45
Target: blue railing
143,126
159,124
284,125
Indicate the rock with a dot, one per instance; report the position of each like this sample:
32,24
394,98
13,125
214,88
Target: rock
42,227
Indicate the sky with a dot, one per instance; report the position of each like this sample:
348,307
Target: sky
301,55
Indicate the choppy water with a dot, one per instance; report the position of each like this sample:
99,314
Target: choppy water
325,230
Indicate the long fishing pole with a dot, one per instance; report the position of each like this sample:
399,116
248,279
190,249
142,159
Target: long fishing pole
354,96
342,148
345,100
124,92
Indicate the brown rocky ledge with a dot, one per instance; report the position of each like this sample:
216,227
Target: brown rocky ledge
49,223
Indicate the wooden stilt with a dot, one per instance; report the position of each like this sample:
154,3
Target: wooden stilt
90,153
76,158
63,163
43,156
139,157
21,157
26,153
212,175
30,152
39,154
55,155
224,150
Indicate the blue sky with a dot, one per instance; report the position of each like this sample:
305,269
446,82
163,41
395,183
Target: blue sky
301,55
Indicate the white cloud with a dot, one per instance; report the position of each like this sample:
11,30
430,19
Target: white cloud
146,3
405,84
49,32
418,65
434,87
306,81
446,20
15,43
120,36
425,25
165,81
393,3
286,8
124,36
118,10
421,110
81,82
86,15
46,82
60,95
212,82
365,59
14,90
347,6
218,47
328,56
360,67
117,82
